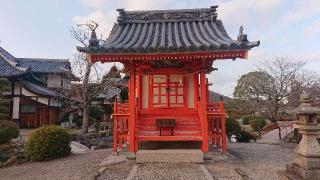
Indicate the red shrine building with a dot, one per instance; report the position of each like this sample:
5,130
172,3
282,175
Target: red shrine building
168,54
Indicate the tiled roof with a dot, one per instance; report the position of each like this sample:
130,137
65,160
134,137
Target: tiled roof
38,65
39,90
12,66
7,69
169,31
109,93
7,55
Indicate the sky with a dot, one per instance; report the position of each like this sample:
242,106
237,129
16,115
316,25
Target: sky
41,28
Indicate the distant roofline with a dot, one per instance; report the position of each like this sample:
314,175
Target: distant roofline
43,59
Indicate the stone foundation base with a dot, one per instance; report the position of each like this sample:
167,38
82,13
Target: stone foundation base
170,155
303,168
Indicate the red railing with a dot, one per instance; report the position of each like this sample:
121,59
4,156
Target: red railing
120,125
216,123
215,107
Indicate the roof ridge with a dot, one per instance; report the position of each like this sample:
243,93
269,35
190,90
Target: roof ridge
199,14
167,10
44,59
3,50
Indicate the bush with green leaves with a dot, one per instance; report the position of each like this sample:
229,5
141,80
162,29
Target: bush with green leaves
232,127
95,112
257,123
245,136
8,130
246,119
48,142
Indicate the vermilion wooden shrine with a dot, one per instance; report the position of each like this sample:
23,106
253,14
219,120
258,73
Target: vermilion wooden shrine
168,54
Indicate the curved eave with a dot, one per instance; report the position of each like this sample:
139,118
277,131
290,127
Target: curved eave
183,56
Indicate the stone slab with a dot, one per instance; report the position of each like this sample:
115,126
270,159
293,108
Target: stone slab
170,155
112,160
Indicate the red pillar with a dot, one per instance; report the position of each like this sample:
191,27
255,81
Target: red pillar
132,110
115,133
204,116
196,90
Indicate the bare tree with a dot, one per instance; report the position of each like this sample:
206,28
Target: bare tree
273,85
91,84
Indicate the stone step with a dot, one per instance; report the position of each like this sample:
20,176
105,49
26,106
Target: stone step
170,155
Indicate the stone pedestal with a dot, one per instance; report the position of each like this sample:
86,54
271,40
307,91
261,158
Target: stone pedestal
303,168
306,161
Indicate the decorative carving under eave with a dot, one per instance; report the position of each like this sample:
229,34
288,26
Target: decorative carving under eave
166,64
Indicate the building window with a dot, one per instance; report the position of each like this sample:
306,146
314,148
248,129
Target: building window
28,109
168,91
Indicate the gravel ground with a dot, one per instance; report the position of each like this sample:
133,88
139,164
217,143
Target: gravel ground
251,161
117,172
169,171
77,166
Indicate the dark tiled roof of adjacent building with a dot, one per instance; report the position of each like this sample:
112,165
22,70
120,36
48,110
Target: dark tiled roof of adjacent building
12,66
5,54
38,65
164,31
8,65
40,90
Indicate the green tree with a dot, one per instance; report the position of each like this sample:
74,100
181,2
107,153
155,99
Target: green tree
268,89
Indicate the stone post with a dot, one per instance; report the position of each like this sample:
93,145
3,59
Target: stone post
306,161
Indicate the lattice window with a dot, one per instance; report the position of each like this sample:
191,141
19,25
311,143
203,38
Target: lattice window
168,91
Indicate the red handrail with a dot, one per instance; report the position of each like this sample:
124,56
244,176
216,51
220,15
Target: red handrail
216,121
120,124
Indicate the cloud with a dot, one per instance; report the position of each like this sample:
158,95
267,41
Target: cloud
303,9
241,12
93,3
148,4
104,19
312,29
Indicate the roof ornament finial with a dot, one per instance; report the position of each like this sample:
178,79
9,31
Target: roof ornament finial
241,36
213,12
93,41
121,16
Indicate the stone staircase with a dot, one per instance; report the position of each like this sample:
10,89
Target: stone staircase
186,125
170,155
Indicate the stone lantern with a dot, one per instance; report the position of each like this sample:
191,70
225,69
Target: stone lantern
306,161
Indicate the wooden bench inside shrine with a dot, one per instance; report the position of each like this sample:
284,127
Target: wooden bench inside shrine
168,54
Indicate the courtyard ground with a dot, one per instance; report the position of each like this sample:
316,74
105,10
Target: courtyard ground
245,161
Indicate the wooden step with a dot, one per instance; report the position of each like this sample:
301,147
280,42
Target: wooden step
175,133
168,138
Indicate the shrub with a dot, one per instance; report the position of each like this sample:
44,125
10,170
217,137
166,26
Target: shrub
47,143
78,121
257,123
232,127
8,131
246,119
245,136
95,112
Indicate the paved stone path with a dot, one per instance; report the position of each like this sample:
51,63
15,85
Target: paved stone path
272,137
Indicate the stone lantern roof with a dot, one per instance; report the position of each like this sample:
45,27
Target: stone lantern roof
305,106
